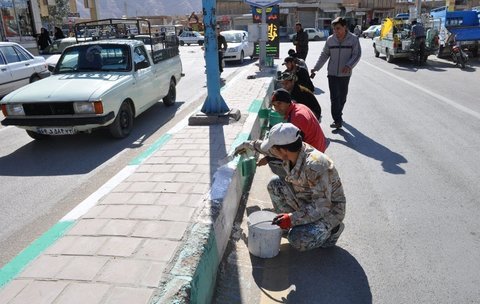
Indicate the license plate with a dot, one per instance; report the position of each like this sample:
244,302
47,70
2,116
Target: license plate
56,131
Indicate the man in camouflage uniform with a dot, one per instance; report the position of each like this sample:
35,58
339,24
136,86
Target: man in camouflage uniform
309,199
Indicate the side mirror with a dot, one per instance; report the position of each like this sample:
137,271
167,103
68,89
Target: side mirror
141,65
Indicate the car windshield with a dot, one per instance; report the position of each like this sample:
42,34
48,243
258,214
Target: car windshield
94,58
233,37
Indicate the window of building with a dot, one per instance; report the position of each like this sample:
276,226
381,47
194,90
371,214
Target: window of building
17,20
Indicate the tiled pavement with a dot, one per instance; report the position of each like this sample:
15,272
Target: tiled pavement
129,246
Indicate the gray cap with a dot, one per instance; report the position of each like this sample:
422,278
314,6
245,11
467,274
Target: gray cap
281,134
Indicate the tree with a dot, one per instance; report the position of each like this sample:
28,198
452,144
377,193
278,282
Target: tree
58,12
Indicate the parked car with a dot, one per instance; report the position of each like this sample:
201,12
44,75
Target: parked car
313,34
238,46
191,37
19,67
96,84
372,31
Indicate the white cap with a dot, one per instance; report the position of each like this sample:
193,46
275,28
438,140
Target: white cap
281,134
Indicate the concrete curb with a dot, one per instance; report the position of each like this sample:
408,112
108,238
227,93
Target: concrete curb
192,278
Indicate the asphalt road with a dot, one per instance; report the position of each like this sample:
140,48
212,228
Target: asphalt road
408,159
41,181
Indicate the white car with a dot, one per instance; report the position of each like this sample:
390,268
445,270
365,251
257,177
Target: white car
188,37
313,34
372,31
96,84
19,67
238,46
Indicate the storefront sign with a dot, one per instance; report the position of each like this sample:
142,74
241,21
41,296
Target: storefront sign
273,26
262,3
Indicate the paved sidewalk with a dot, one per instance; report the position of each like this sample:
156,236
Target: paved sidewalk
157,235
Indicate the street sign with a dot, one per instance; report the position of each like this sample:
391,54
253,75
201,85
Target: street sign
262,3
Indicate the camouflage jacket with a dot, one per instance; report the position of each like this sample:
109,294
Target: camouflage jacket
317,188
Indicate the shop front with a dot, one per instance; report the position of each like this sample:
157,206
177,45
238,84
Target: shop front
20,22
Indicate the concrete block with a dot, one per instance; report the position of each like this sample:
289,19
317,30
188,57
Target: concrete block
120,246
39,292
87,227
118,227
154,274
13,288
158,250
127,295
147,212
177,213
114,211
144,198
82,268
123,271
116,198
81,293
160,229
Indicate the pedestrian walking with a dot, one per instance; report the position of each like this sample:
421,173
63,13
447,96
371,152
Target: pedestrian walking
44,39
302,74
300,93
301,41
222,47
342,50
310,200
58,34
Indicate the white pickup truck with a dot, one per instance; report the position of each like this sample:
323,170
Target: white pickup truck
102,83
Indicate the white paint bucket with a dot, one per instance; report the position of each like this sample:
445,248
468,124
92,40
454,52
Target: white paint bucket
263,237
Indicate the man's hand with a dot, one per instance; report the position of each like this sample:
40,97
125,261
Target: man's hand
283,220
312,74
243,147
262,162
346,70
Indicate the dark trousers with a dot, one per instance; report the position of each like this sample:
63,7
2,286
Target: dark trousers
338,95
220,61
302,53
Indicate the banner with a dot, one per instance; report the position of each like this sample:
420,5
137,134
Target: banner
273,27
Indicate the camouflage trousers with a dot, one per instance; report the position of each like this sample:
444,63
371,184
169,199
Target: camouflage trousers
302,237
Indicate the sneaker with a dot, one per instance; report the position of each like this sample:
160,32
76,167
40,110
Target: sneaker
336,125
334,235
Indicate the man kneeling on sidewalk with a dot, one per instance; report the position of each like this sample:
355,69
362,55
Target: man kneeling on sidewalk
309,200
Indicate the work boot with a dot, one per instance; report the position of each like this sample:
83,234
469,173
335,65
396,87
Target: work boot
334,235
336,125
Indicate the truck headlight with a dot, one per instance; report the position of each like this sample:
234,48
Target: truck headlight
233,49
13,109
87,107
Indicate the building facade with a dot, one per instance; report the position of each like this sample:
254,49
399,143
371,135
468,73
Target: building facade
20,22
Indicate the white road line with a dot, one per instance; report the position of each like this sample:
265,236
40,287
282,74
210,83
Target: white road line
435,95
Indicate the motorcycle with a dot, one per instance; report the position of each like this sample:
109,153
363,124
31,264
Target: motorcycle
458,55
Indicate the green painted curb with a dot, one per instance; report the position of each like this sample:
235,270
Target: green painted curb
156,145
17,264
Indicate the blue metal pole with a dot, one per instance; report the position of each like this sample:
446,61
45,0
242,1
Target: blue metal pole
214,104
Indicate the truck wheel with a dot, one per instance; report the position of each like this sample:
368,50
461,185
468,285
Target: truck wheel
316,38
389,57
36,135
181,42
377,53
123,123
188,44
200,43
169,100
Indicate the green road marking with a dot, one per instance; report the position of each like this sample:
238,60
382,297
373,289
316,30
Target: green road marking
156,145
18,263
255,106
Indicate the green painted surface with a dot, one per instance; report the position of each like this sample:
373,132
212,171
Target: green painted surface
240,139
203,281
154,147
255,106
17,264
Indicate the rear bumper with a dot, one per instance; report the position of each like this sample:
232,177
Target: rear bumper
57,122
